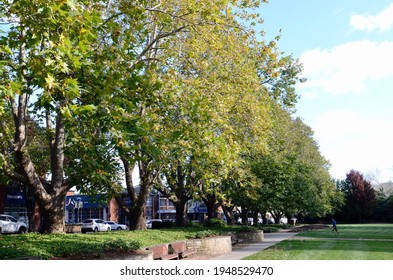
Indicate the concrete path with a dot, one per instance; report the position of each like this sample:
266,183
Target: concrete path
241,251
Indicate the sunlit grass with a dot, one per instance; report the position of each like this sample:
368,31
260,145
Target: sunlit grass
365,231
355,242
49,246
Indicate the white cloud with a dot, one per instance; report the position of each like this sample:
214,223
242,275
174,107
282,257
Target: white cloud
345,68
350,141
383,21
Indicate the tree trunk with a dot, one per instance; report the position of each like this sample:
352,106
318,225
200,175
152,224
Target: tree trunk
137,218
255,217
136,212
51,205
53,215
244,216
228,214
181,217
211,205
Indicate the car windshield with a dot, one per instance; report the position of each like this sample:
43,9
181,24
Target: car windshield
87,221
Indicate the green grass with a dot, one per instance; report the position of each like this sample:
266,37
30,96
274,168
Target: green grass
50,246
355,242
365,231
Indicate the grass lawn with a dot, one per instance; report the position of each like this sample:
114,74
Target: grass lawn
52,246
49,246
356,242
364,231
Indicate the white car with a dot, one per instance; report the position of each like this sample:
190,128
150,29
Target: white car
94,225
116,226
9,224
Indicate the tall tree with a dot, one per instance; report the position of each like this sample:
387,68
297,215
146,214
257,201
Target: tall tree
294,175
195,53
360,197
45,55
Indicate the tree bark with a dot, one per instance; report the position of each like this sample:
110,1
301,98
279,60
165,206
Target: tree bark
228,214
136,211
181,217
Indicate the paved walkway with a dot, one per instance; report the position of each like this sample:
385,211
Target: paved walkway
241,251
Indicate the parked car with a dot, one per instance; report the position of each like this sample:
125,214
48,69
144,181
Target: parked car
149,223
94,225
116,226
8,224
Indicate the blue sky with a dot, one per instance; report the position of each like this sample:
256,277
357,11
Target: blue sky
346,48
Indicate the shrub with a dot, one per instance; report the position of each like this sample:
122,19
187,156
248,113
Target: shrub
214,222
247,228
205,233
279,226
268,229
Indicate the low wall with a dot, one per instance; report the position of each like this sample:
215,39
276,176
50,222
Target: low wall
250,237
72,228
212,246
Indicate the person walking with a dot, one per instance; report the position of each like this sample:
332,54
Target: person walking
334,226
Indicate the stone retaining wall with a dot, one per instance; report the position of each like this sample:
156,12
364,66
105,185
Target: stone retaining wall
250,237
211,246
72,228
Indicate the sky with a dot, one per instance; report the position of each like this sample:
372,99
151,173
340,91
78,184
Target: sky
346,48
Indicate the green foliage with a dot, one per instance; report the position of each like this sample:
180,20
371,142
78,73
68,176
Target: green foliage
268,229
186,91
245,228
62,245
293,176
214,222
206,233
360,197
383,208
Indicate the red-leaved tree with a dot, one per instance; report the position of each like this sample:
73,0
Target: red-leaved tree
360,195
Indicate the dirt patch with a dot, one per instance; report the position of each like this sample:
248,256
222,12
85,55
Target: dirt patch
308,227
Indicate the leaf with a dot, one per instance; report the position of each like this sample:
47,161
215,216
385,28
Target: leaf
50,82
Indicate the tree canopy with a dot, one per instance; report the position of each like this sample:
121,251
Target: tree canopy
185,91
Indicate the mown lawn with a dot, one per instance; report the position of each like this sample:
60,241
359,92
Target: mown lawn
355,242
365,231
52,246
49,246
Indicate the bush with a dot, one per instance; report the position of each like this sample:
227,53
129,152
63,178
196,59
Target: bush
214,222
205,233
279,226
268,229
247,228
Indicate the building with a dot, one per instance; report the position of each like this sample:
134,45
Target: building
15,201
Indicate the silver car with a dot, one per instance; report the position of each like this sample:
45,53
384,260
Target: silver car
94,225
116,226
9,224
